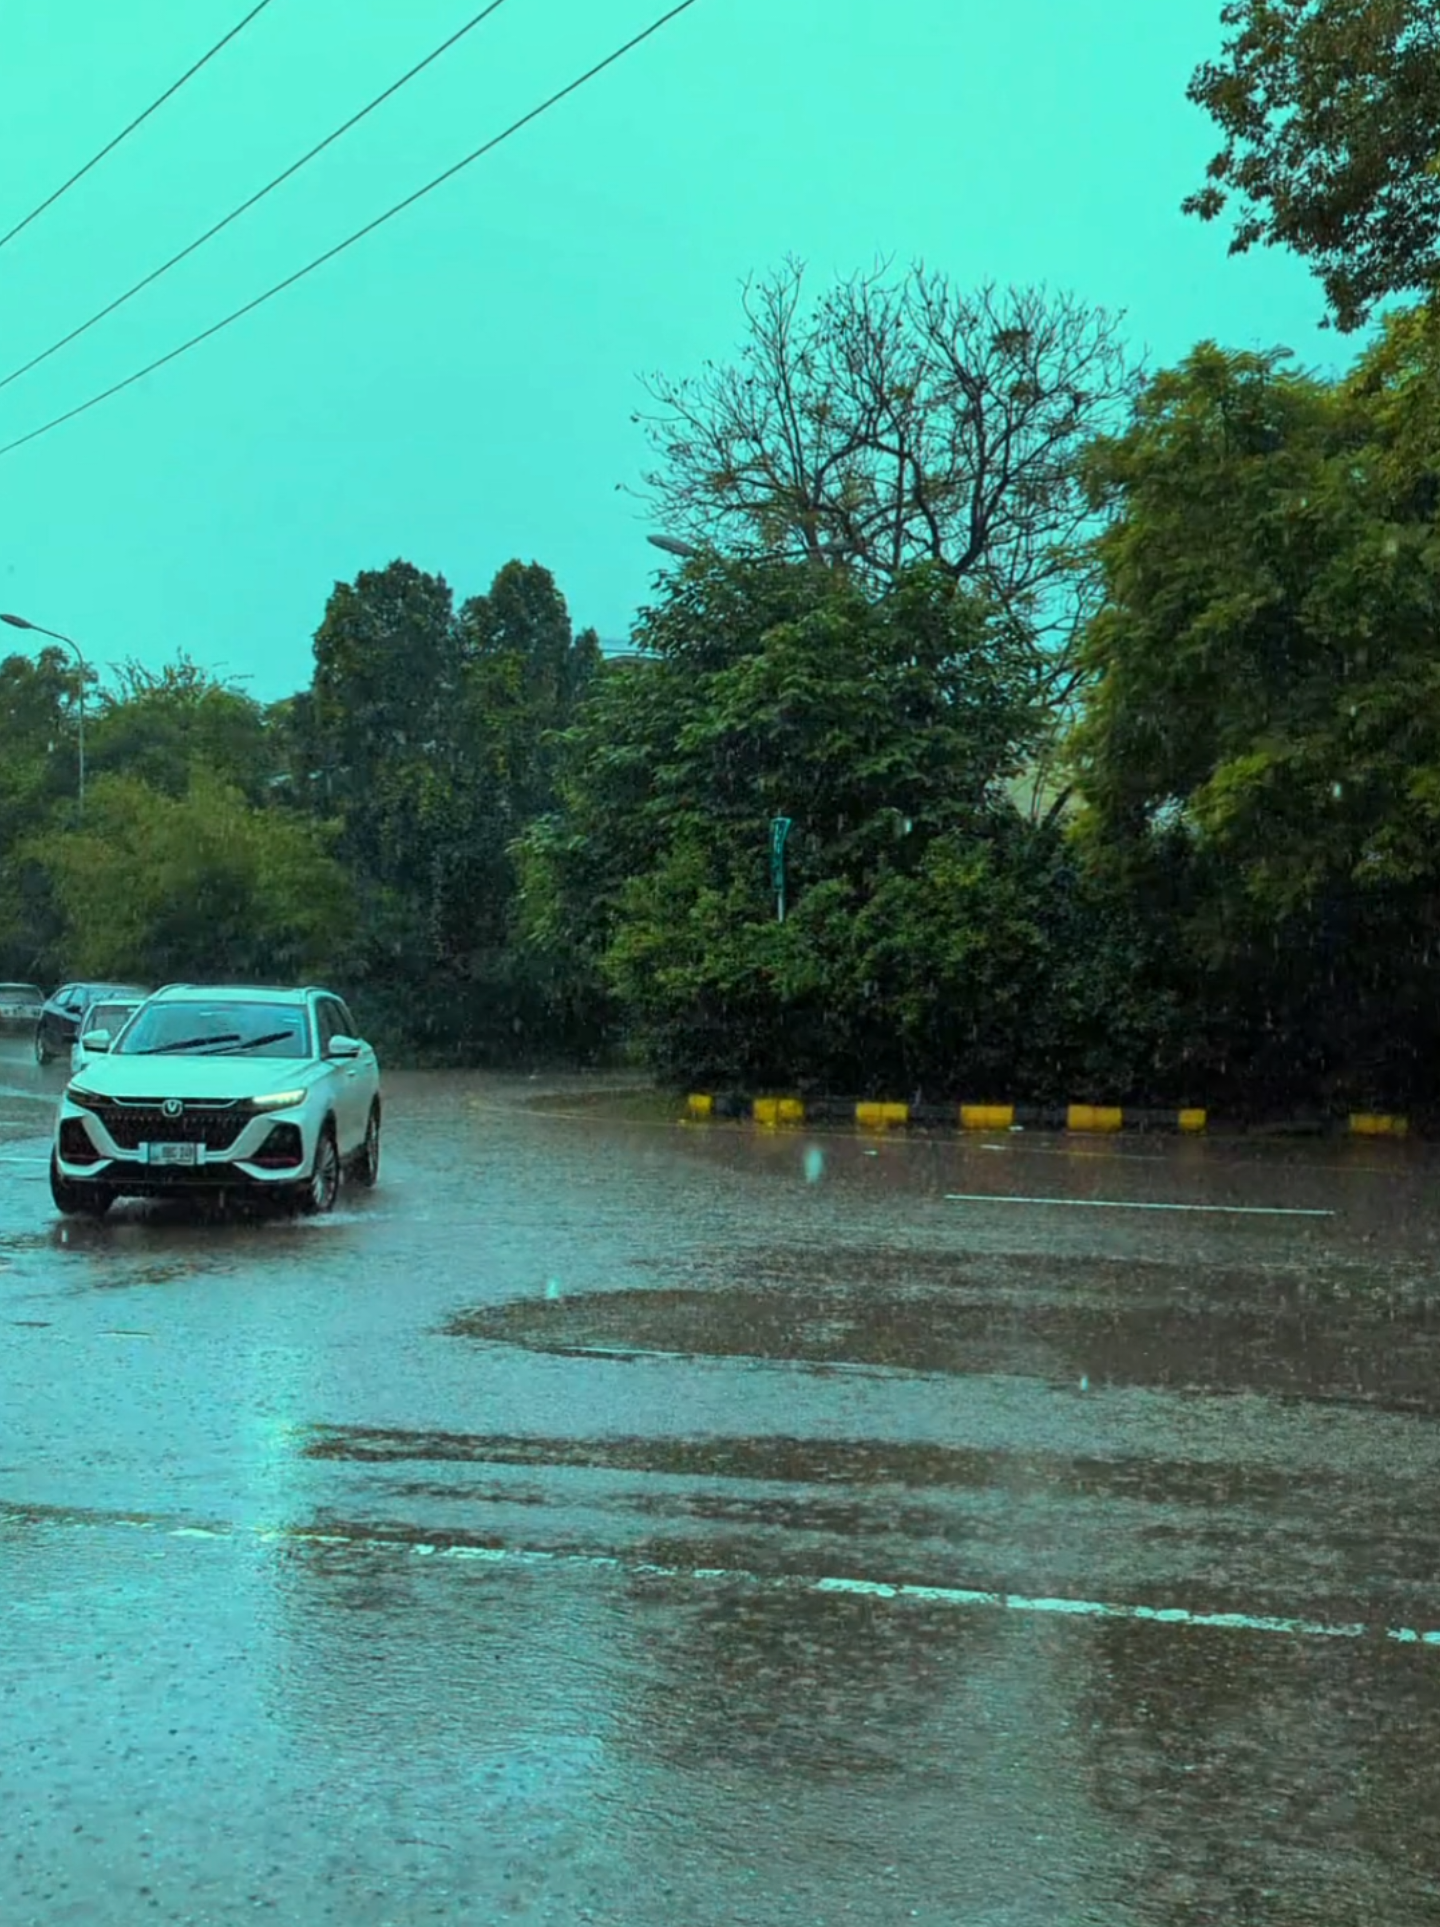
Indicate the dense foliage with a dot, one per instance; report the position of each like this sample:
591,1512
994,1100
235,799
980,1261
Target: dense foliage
1330,112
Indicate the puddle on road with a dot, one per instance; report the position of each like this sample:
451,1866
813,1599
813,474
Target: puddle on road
835,1462
1350,1336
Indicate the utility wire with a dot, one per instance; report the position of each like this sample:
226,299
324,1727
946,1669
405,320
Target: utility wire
359,234
245,206
125,132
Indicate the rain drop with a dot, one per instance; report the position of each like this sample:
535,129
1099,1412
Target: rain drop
814,1164
552,1290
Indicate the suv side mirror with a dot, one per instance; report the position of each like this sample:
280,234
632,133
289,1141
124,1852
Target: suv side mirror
341,1046
95,1040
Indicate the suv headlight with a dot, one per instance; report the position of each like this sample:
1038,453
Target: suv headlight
278,1101
87,1100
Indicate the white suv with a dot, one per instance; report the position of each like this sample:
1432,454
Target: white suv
221,1089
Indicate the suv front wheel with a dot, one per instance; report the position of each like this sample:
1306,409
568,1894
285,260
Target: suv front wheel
77,1200
323,1188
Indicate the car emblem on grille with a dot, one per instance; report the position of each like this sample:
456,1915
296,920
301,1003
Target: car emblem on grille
172,1107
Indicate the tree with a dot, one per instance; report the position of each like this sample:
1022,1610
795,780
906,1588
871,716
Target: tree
157,725
1330,112
382,708
160,888
429,730
920,909
898,422
525,670
1261,752
37,778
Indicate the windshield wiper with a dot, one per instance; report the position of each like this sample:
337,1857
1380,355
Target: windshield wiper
188,1043
250,1043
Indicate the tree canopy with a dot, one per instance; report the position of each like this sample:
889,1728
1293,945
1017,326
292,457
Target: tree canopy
920,905
1261,746
1330,113
893,421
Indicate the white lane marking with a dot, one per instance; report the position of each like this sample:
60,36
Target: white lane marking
1130,1204
968,1597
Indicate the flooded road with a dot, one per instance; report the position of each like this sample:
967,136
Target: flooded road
613,1521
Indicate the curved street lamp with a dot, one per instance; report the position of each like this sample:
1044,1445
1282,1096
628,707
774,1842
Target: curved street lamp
19,622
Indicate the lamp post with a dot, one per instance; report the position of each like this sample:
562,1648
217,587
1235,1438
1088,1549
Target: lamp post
19,622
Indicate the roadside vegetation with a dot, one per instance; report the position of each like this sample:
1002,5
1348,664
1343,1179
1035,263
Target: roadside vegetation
1104,703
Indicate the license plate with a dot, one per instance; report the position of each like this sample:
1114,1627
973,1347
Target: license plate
172,1153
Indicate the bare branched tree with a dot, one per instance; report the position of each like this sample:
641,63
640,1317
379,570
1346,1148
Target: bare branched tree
896,420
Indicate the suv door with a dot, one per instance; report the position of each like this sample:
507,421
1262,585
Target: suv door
367,1067
347,1089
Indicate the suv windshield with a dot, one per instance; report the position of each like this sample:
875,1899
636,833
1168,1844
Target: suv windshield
204,1030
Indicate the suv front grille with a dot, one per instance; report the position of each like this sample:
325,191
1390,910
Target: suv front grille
132,1124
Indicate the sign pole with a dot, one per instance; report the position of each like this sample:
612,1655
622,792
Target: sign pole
779,830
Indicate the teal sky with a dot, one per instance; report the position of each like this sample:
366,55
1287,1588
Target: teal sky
458,388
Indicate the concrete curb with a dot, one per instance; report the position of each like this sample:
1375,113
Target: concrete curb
773,1112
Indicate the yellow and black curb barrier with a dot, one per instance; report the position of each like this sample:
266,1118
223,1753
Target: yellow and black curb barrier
873,1115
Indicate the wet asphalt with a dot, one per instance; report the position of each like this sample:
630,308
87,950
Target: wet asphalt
612,1520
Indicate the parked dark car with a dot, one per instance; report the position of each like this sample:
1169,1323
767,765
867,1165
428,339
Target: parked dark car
63,1015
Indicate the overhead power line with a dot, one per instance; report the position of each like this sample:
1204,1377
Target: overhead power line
320,260
245,206
139,120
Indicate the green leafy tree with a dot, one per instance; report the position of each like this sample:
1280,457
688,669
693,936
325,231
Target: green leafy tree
1330,112
428,731
38,772
157,726
159,888
1261,754
921,907
381,710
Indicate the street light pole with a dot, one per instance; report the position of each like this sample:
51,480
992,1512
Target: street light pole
19,622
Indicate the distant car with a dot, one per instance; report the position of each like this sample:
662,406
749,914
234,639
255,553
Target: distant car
62,1013
110,1014
221,1089
20,1005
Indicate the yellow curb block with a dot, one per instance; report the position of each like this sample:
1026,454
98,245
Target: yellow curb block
773,1112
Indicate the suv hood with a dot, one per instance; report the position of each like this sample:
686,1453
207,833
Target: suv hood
194,1077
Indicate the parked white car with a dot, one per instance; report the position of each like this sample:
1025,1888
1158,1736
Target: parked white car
223,1090
110,1014
20,1005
